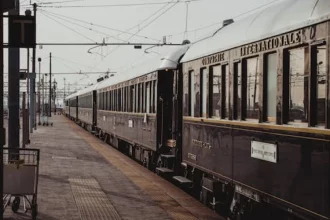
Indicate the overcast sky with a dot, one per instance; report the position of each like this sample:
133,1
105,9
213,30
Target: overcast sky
72,24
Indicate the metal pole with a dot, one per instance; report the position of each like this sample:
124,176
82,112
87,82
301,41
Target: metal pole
43,95
50,85
24,139
54,98
27,93
64,88
13,91
33,118
2,129
39,99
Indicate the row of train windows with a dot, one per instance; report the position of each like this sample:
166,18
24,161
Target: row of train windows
298,79
139,98
86,101
72,103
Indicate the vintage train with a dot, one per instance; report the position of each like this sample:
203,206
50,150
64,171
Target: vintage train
241,118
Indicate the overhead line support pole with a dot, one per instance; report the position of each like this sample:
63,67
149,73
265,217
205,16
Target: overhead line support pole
13,91
50,85
102,44
2,129
33,120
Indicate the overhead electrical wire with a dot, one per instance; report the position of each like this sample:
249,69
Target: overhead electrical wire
88,28
84,36
220,22
174,3
114,5
73,62
98,25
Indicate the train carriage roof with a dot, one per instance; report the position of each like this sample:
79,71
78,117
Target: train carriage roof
158,62
285,16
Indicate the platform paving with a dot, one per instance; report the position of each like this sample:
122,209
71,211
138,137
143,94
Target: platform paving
82,178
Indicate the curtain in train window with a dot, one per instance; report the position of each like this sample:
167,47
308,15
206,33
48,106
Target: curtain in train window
148,97
216,91
252,88
298,85
192,93
271,86
204,89
321,84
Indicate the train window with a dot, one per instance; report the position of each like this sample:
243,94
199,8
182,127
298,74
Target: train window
321,83
101,100
271,86
155,96
152,96
124,99
148,95
115,100
252,88
137,98
192,93
226,85
128,98
109,101
204,85
237,90
119,100
298,85
216,86
131,99
143,99
106,101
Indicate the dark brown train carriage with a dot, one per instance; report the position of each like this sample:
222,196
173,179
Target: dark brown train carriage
85,108
134,108
256,114
71,108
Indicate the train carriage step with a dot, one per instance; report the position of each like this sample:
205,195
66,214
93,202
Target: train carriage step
163,170
167,156
182,180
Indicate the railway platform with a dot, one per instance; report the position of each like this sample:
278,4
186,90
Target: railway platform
83,178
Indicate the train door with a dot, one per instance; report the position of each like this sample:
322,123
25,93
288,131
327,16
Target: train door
164,107
176,138
94,109
164,156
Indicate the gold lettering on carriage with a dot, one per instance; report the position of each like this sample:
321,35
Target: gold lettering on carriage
272,43
213,59
201,144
